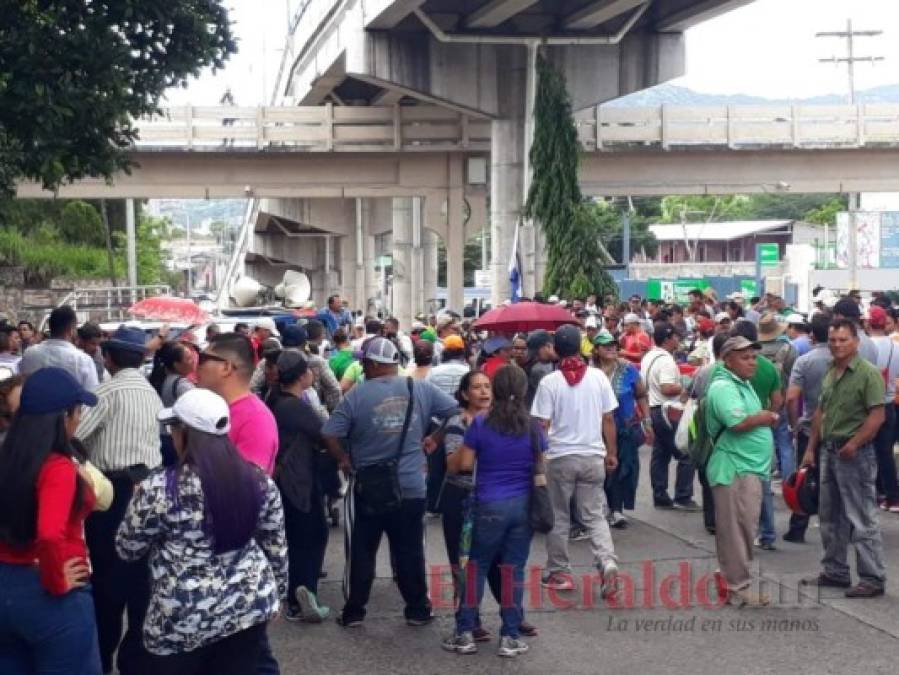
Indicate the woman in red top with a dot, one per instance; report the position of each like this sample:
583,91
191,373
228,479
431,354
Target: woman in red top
47,615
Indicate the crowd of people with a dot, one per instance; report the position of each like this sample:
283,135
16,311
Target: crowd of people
157,518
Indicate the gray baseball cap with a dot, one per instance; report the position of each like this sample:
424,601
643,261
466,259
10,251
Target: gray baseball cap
738,344
380,350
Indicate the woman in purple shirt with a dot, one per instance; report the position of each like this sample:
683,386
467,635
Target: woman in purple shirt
500,450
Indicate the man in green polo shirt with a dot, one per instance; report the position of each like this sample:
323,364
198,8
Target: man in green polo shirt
740,461
849,415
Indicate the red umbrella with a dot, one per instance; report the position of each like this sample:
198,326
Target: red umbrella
522,317
168,308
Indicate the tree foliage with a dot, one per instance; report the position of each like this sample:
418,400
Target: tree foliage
815,208
80,223
555,201
74,74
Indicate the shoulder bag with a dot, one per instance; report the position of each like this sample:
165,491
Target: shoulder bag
376,487
540,509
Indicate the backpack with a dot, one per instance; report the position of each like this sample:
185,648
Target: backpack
701,443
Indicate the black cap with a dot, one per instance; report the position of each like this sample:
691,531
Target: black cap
568,341
538,338
847,307
291,366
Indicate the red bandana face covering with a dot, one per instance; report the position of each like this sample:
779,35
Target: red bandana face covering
573,368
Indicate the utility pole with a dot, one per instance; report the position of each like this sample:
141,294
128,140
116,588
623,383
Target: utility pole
850,60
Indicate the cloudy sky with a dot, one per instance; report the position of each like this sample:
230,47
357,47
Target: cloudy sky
767,48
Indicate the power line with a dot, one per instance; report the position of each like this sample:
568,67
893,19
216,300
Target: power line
851,59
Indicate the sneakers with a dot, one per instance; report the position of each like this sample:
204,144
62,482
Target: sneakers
663,503
310,610
527,629
293,614
419,620
578,534
462,643
609,572
688,505
618,520
481,634
349,622
510,647
889,506
865,589
765,545
747,598
558,581
824,581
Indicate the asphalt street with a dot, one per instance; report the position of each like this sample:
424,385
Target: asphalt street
662,625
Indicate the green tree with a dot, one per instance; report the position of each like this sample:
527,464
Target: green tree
73,76
573,248
826,213
79,223
609,218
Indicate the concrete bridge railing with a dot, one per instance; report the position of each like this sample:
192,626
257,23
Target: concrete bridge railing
330,128
735,127
324,128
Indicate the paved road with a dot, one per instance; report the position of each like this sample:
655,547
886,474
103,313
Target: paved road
802,633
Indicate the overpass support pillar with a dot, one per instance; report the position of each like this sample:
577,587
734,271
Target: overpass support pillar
506,165
403,296
455,237
357,259
429,263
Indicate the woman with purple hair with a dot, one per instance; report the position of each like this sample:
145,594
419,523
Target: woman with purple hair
213,527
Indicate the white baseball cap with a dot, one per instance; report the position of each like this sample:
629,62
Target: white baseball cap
722,316
268,324
630,318
199,409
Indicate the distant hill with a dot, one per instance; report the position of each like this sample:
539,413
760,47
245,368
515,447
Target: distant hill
672,94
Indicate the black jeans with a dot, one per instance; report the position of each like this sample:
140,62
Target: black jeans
708,500
118,585
663,451
405,532
307,539
234,655
887,483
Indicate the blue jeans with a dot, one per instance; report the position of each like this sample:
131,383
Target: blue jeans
783,442
42,633
767,529
501,529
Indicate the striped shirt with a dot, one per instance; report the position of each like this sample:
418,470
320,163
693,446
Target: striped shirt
122,430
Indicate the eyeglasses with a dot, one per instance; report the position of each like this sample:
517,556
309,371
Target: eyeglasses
205,357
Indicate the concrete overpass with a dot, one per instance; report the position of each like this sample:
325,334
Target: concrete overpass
332,184
478,57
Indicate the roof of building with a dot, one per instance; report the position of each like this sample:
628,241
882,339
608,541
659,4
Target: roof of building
717,231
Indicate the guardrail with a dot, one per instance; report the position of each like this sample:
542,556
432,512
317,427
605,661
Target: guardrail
326,128
736,127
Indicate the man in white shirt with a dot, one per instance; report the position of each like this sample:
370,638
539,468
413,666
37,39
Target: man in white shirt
663,382
576,405
60,350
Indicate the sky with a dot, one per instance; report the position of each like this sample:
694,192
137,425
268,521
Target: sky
767,48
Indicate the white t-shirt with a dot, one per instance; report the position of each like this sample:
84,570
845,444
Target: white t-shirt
658,368
574,413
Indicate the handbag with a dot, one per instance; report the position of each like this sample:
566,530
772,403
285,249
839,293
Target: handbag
540,509
376,487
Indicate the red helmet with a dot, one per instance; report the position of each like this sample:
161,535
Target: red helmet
800,491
